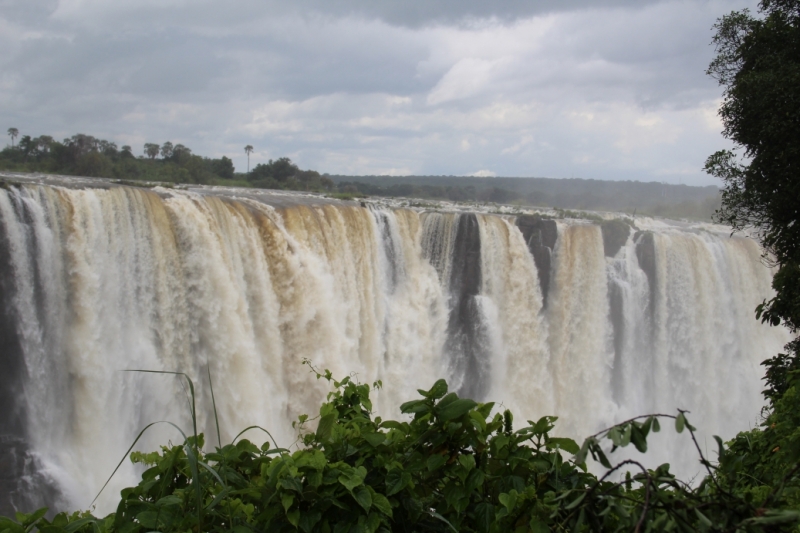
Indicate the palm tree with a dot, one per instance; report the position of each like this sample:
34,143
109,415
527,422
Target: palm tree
13,133
248,150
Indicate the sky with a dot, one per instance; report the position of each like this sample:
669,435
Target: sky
605,89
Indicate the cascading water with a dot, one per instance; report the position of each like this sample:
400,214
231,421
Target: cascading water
591,323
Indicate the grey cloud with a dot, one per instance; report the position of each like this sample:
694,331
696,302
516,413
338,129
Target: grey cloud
200,73
418,13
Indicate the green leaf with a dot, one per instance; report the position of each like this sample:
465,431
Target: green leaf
509,500
484,516
373,522
475,479
568,445
537,526
598,454
381,503
544,425
615,435
646,426
485,409
374,439
576,502
656,425
415,406
291,483
438,390
77,524
626,435
455,409
680,422
446,400
720,447
467,461
310,458
638,438
443,519
703,518
287,500
293,517
580,457
393,424
325,427
396,480
435,461
10,526
774,517
363,497
354,478
33,518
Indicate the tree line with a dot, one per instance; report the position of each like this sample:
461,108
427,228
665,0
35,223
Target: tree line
86,155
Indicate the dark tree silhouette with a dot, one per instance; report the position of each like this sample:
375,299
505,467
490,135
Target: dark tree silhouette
13,133
248,150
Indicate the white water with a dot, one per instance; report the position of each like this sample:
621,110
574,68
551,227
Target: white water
110,280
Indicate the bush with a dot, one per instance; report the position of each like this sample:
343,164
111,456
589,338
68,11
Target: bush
454,466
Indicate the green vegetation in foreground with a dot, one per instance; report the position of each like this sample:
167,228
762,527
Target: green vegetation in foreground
454,466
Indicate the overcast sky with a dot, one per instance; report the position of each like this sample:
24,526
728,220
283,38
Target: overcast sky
589,89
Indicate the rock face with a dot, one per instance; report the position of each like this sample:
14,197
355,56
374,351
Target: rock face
541,235
646,254
23,486
12,430
11,469
615,235
464,328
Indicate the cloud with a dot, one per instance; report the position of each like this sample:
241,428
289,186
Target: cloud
605,90
484,174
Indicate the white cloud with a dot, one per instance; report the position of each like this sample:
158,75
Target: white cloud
484,174
607,91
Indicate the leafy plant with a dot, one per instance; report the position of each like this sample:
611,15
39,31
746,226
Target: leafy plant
452,466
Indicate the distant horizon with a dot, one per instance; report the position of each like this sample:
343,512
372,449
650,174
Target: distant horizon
490,178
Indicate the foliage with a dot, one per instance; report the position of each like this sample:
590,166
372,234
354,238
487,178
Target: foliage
758,64
454,466
283,174
85,155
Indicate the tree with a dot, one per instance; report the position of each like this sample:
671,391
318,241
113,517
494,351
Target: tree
108,148
166,150
151,150
94,164
222,167
248,150
13,133
27,145
44,142
758,64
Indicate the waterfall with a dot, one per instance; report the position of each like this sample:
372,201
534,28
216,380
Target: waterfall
591,322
